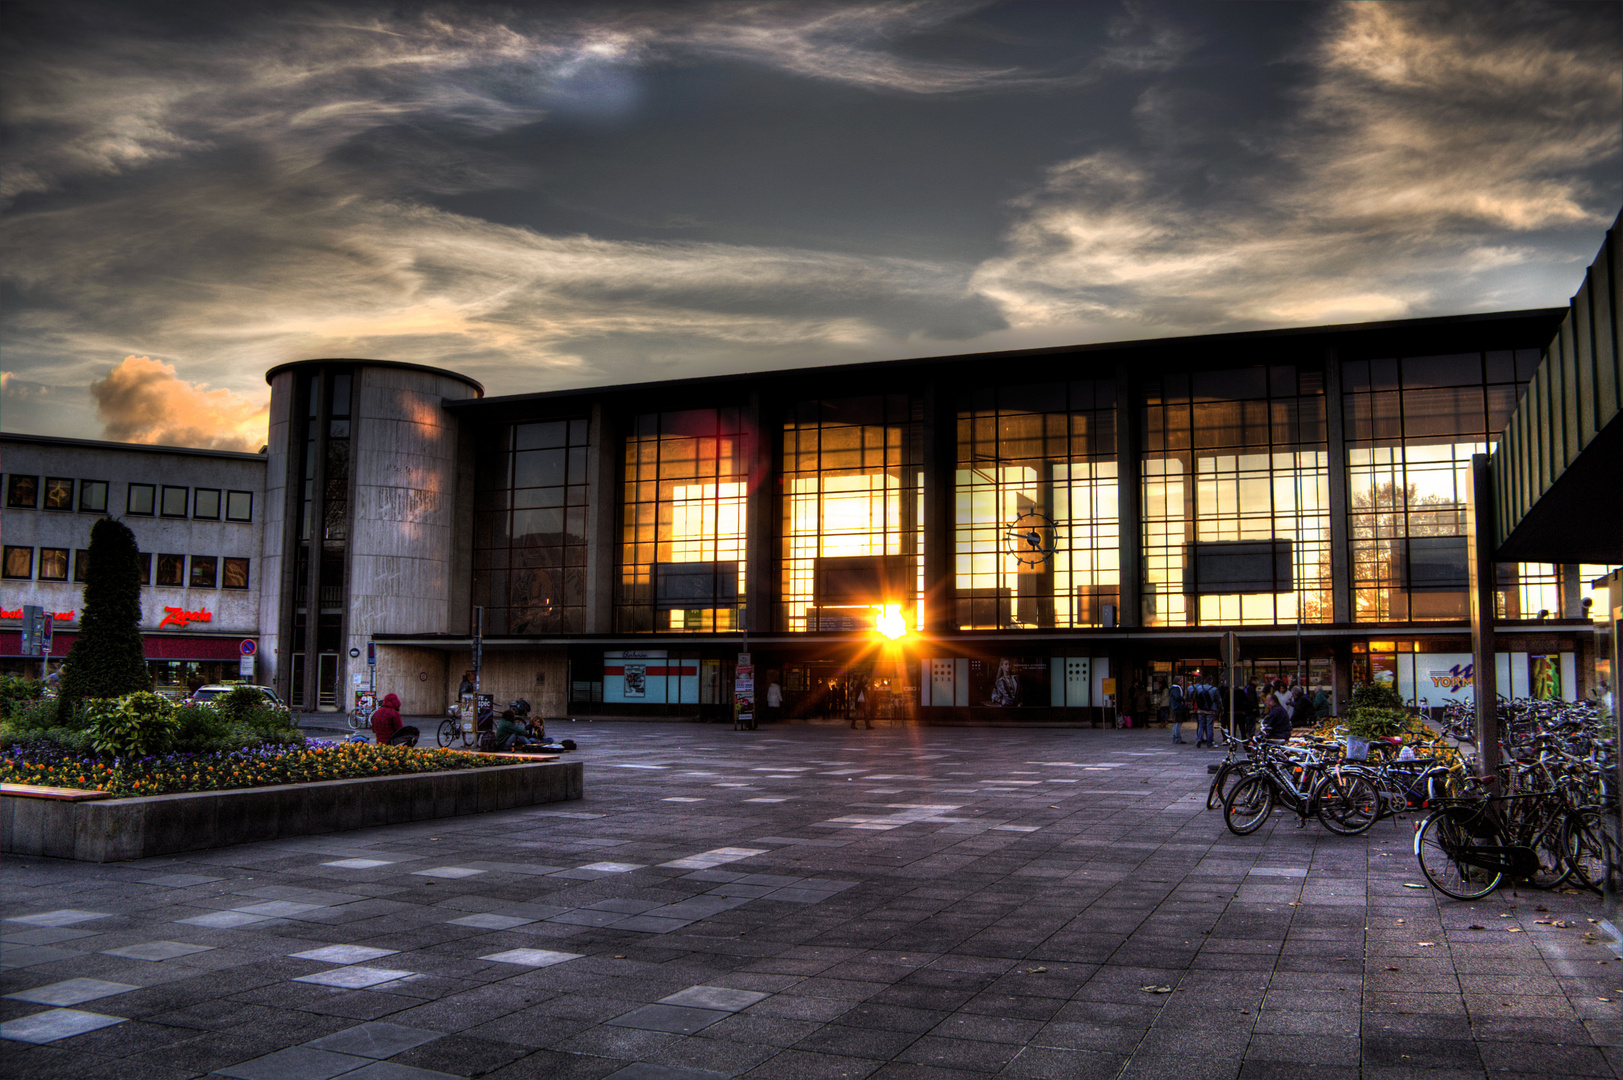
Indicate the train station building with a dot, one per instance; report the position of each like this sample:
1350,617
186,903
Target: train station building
1001,537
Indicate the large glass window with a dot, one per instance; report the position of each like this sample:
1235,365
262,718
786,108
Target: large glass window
853,493
22,492
19,562
1236,501
93,496
1036,537
529,557
58,493
684,507
1413,424
53,564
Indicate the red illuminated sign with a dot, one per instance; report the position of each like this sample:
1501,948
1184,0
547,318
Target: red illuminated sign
180,617
59,616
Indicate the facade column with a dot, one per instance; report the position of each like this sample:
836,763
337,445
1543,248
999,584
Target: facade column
298,430
764,421
314,543
1130,531
1572,591
940,468
1336,464
1485,676
602,502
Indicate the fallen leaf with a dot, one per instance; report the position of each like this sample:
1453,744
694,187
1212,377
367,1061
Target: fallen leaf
1412,885
1474,926
1151,988
1425,944
1513,930
1035,970
1247,1012
1542,922
1541,907
1391,969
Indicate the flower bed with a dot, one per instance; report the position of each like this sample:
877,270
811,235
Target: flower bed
261,766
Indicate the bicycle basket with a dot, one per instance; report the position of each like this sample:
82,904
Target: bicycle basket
1357,748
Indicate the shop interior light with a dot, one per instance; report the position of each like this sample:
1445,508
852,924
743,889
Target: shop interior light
890,622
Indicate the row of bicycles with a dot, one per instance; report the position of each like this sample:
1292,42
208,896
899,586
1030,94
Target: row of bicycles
1548,818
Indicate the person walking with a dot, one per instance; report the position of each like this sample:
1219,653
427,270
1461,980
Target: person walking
1205,712
1179,710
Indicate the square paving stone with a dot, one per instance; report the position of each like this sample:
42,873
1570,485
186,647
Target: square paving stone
343,954
360,864
158,950
714,997
354,978
491,922
225,920
180,881
22,956
647,1070
447,872
64,917
295,1063
393,1070
72,992
53,1024
651,924
676,1019
278,909
375,1040
532,957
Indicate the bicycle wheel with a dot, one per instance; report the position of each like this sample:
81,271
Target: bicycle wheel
1442,838
1228,774
1586,843
448,731
1350,805
1248,805
1554,868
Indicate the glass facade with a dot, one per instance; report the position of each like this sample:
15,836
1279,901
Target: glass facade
529,547
853,488
1229,457
684,510
1036,541
1412,426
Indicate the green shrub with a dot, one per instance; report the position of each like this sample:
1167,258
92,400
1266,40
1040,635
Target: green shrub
1374,723
1376,696
31,715
134,725
17,692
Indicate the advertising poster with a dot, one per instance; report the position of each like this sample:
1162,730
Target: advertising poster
636,680
1009,682
1383,669
1544,674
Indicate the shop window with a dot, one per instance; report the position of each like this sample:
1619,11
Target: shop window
239,506
203,571
81,566
93,496
58,493
143,499
172,570
234,574
174,501
19,562
53,564
206,504
145,559
22,492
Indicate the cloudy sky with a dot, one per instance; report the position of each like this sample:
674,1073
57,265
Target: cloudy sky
552,195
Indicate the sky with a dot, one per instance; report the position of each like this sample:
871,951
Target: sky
552,195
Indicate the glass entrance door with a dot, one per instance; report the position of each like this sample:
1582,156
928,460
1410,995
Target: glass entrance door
327,681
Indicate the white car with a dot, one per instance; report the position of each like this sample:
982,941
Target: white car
209,693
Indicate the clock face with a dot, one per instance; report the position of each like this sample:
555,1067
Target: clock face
1029,538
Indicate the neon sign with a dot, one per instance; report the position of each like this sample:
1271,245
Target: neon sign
181,617
58,616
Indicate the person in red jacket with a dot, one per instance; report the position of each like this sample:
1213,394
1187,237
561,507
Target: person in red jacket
387,726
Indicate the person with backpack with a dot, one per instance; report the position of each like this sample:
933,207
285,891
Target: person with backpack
1205,712
1178,709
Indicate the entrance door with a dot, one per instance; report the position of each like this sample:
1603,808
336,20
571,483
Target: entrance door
295,692
327,681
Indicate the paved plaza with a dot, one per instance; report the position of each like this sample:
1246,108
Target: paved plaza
809,902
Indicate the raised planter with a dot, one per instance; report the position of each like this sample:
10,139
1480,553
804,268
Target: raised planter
114,830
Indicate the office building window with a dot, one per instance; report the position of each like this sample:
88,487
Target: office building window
234,574
145,559
206,504
1413,424
529,553
684,508
53,564
239,506
93,496
203,571
1236,501
142,499
58,493
174,501
853,492
172,570
22,492
81,566
1036,537
19,562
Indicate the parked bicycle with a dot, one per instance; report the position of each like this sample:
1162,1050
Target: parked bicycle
1307,783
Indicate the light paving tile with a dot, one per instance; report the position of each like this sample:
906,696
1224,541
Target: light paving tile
714,997
278,909
158,950
354,978
295,1063
343,954
72,992
491,922
225,920
55,1024
706,860
359,864
376,1040
447,872
532,957
64,917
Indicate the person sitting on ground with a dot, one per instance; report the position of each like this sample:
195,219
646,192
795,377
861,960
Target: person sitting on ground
513,732
388,728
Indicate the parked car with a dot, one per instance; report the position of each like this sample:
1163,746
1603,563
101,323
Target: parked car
209,693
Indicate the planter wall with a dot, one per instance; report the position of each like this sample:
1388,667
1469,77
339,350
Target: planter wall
114,830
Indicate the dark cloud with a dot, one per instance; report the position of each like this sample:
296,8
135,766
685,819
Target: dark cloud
558,194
